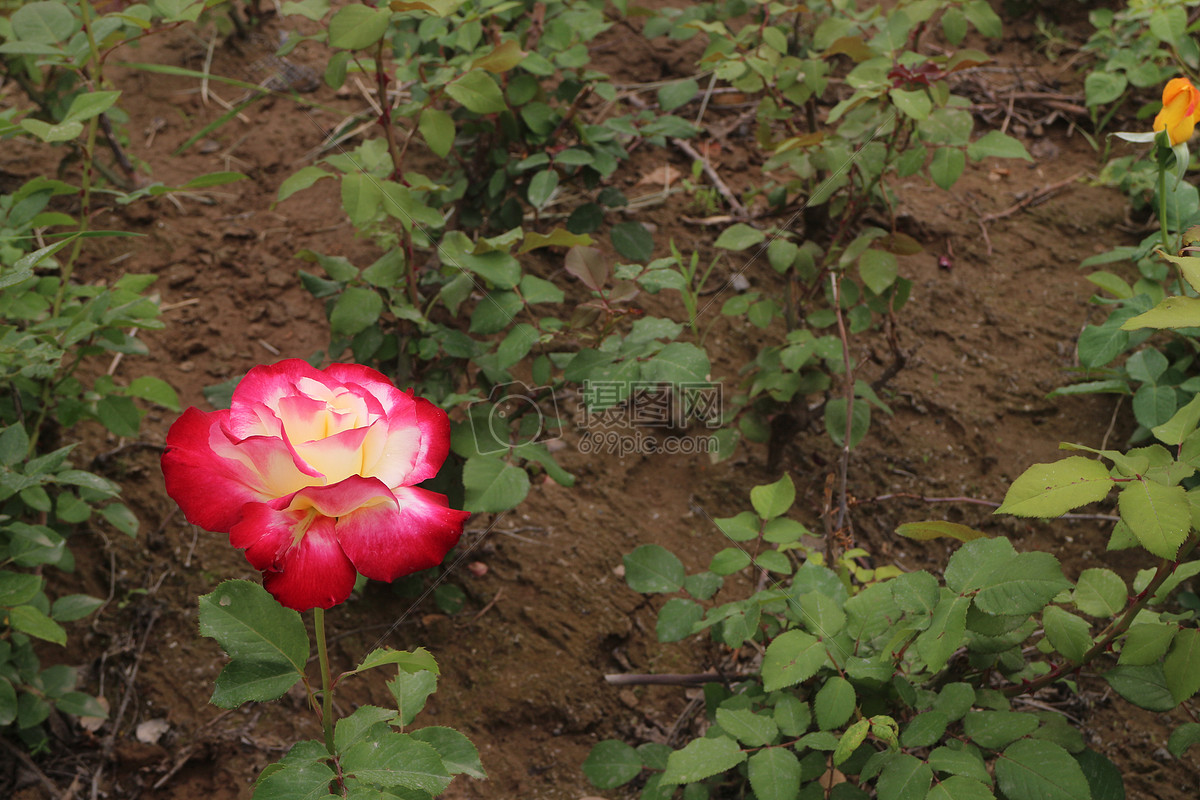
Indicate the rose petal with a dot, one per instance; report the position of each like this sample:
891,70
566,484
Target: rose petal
274,467
372,382
298,553
196,475
344,497
265,533
264,385
435,440
414,447
337,457
386,542
313,573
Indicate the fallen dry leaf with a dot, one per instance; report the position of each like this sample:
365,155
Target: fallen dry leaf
662,176
150,731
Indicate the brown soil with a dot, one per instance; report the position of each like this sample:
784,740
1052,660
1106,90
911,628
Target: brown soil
524,662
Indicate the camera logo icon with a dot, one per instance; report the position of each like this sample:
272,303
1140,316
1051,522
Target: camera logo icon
512,415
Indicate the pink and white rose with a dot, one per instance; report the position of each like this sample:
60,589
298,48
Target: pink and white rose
313,473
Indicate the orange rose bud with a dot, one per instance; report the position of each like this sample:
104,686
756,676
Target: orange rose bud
1180,111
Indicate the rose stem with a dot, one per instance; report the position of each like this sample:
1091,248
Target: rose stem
326,688
1162,207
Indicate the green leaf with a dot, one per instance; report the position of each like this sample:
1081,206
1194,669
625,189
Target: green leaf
677,93
538,290
1100,593
834,703
937,529
1049,490
1182,665
964,762
478,92
783,531
300,180
652,569
878,270
493,485
773,499
437,129
73,606
459,756
119,415
314,10
945,167
1103,776
750,728
1022,585
156,390
739,236
363,723
792,715
44,23
742,528
995,144
89,104
980,14
955,700
1159,516
1144,686
631,240
957,787
18,588
821,615
702,758
542,187
945,633
835,421
14,445
678,363
995,729
1067,633
1040,769
925,729
792,657
1181,739
81,705
729,561
912,103
774,774
357,309
612,763
1181,425
29,620
501,58
361,197
850,741
214,179
8,701
1145,643
300,776
1101,88
904,778
397,760
1174,312
411,690
267,643
357,26
677,619
408,660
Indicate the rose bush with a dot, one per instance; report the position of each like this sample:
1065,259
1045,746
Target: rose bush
313,473
1180,111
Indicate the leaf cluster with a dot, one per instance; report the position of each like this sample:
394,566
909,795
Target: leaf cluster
372,754
902,685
